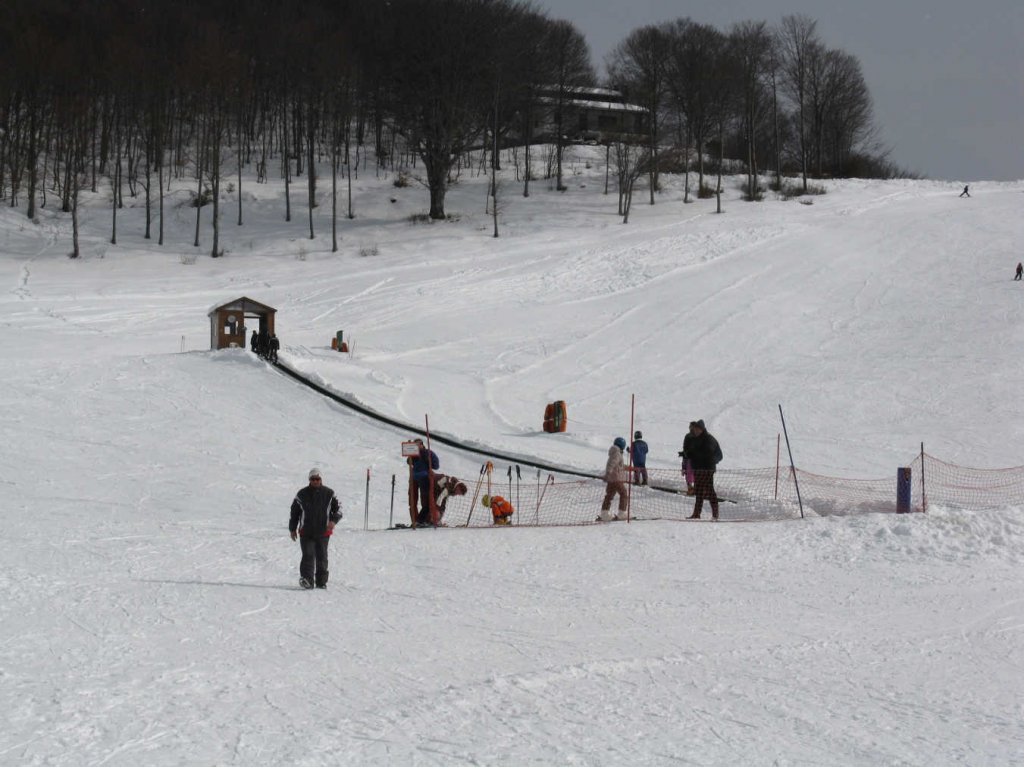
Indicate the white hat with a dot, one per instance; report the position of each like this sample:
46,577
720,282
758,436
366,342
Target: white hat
314,473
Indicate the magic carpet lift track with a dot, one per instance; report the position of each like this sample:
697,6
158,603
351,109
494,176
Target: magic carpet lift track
434,437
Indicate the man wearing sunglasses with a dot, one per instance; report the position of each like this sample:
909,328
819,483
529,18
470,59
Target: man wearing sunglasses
315,512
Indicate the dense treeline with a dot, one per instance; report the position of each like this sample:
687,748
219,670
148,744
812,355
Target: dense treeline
132,95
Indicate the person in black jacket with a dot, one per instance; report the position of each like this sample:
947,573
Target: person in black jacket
315,512
705,454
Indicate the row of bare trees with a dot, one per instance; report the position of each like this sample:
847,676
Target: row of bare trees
138,94
771,97
134,95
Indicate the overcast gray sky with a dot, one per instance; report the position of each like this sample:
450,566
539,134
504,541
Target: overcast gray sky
946,77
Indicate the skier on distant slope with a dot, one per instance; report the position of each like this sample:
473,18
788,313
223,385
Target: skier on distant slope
1020,271
314,513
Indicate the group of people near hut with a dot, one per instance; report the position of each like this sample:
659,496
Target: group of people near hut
264,344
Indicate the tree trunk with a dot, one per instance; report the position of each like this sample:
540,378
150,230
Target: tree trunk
310,172
287,166
215,251
334,196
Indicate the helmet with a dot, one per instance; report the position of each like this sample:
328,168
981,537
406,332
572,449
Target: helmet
486,501
620,443
638,435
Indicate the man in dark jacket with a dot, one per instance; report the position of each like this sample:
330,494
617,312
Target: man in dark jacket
423,467
705,454
315,512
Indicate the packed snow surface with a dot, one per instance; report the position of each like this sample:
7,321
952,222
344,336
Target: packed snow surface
149,607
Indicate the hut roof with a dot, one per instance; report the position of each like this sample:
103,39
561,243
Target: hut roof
243,304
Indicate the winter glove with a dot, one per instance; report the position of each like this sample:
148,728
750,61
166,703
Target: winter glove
294,534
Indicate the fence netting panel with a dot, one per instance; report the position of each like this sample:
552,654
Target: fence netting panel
746,495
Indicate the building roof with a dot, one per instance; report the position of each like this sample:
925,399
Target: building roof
603,106
243,304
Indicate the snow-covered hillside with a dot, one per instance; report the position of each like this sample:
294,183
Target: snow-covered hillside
149,612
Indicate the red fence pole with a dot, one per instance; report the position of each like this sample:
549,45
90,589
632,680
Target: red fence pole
629,477
434,519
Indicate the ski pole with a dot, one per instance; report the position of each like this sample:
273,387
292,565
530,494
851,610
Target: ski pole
489,468
519,476
510,480
366,502
391,514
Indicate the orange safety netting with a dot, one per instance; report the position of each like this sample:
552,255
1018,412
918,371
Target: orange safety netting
747,495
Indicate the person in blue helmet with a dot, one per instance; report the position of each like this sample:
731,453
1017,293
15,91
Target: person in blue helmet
638,453
615,481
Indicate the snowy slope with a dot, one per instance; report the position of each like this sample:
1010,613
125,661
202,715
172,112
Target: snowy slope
148,607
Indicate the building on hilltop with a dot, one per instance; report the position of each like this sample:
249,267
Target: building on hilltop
590,114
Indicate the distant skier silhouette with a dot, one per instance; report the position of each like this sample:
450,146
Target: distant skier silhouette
965,193
1019,274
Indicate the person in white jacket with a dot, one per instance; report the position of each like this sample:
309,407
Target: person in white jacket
615,479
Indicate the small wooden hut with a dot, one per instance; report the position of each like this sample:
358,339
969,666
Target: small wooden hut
231,322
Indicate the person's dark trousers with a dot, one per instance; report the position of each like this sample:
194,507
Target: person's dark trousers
313,566
423,490
704,488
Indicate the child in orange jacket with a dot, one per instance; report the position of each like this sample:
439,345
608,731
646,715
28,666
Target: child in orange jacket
501,510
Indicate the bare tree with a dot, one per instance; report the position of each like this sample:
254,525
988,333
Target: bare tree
571,70
637,67
440,79
750,46
798,38
848,124
695,50
631,161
